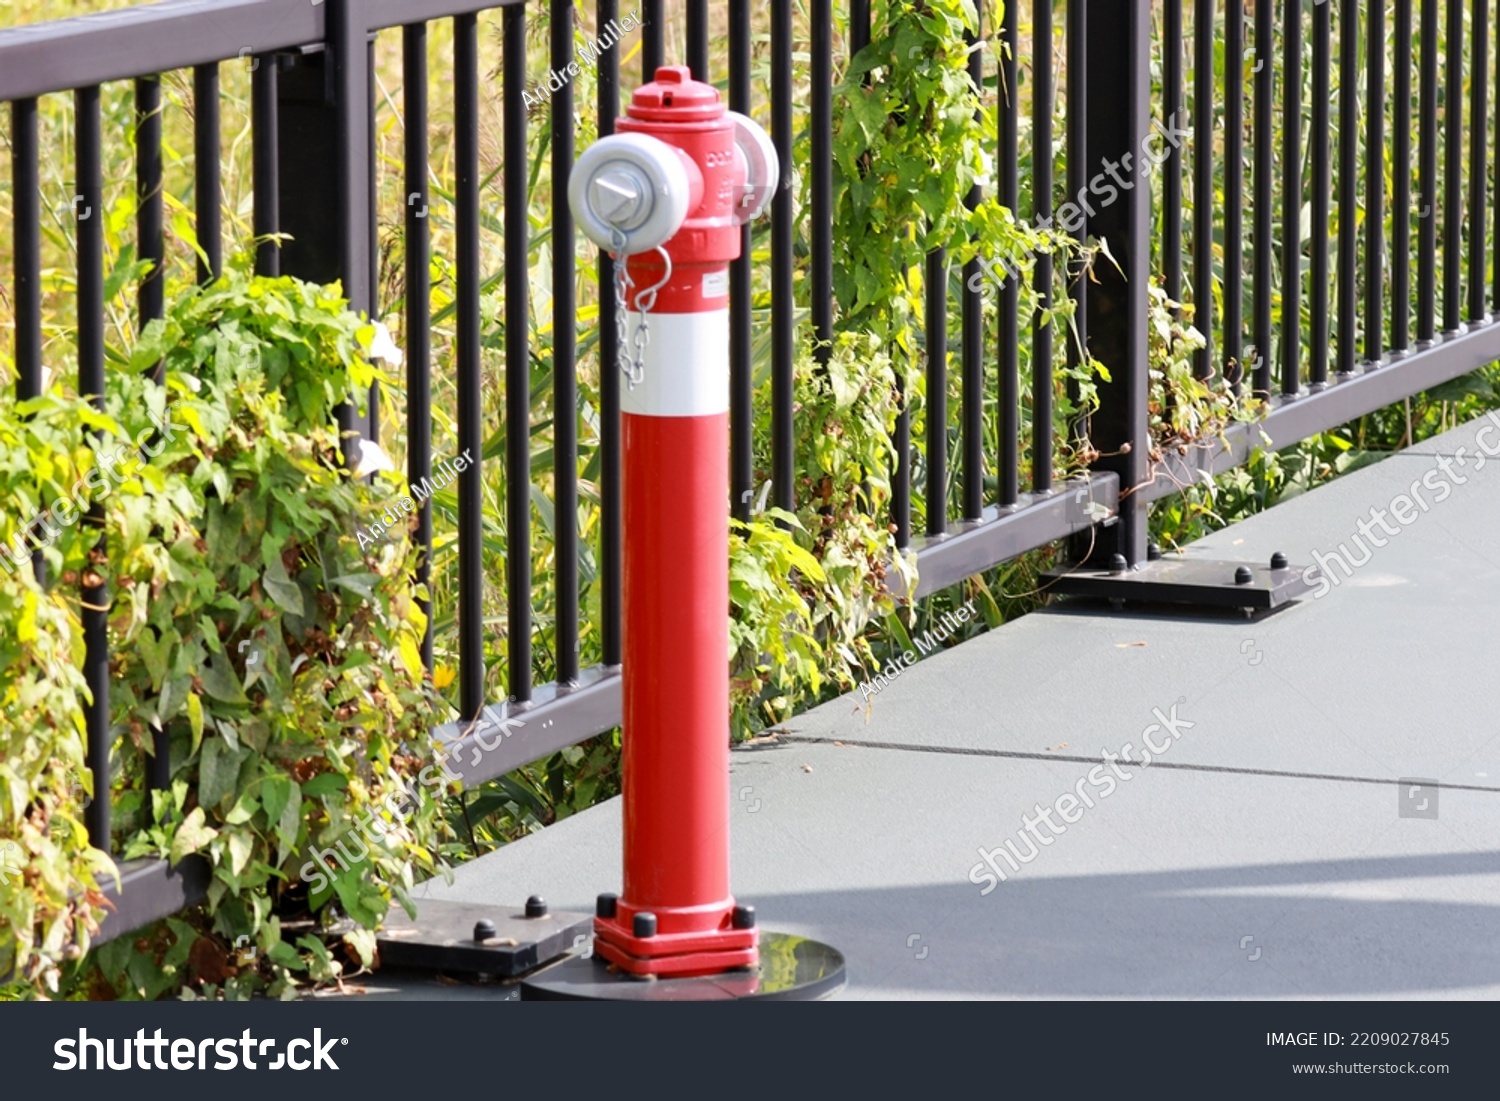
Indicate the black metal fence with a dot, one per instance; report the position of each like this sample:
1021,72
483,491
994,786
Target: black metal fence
1334,307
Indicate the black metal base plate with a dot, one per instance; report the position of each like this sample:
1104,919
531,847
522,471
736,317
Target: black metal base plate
442,938
1175,580
791,969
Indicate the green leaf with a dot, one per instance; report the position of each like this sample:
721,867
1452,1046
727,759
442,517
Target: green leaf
221,682
218,772
354,903
325,783
243,810
155,652
195,718
277,582
192,836
290,822
285,955
323,966
275,792
411,656
241,846
868,110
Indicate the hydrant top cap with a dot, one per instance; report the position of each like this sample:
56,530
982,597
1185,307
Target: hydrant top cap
674,96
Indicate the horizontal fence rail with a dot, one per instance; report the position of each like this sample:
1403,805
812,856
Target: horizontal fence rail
1253,141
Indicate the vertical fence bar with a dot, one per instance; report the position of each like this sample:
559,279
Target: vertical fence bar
973,332
1203,183
820,171
1401,197
1348,243
88,208
611,490
1171,179
653,32
1479,123
1291,200
741,347
26,223
266,171
1375,185
372,228
783,262
26,258
935,286
859,26
468,392
1076,223
1041,208
1427,177
207,189
1234,191
564,357
697,38
517,364
1008,394
1453,166
1264,135
1321,184
1119,53
1495,238
418,327
349,46
150,304
150,244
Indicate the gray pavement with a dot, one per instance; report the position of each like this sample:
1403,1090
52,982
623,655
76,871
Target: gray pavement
1270,849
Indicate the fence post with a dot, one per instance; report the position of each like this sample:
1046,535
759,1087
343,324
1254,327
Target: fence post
323,104
308,206
1116,122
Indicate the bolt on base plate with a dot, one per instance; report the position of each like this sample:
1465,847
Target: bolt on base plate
790,969
480,938
1175,580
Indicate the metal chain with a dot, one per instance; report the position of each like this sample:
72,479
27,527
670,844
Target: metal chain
618,242
634,367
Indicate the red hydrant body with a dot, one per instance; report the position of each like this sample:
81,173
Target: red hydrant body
677,916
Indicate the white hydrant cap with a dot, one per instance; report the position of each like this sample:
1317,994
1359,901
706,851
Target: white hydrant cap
762,166
631,183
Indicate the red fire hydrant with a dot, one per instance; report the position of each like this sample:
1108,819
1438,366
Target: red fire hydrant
667,195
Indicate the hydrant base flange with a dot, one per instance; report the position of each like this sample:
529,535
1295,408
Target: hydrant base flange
683,954
790,969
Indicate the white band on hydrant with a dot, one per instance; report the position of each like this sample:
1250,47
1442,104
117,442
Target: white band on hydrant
686,365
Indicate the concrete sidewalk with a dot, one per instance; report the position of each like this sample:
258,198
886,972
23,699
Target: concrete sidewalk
1262,853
